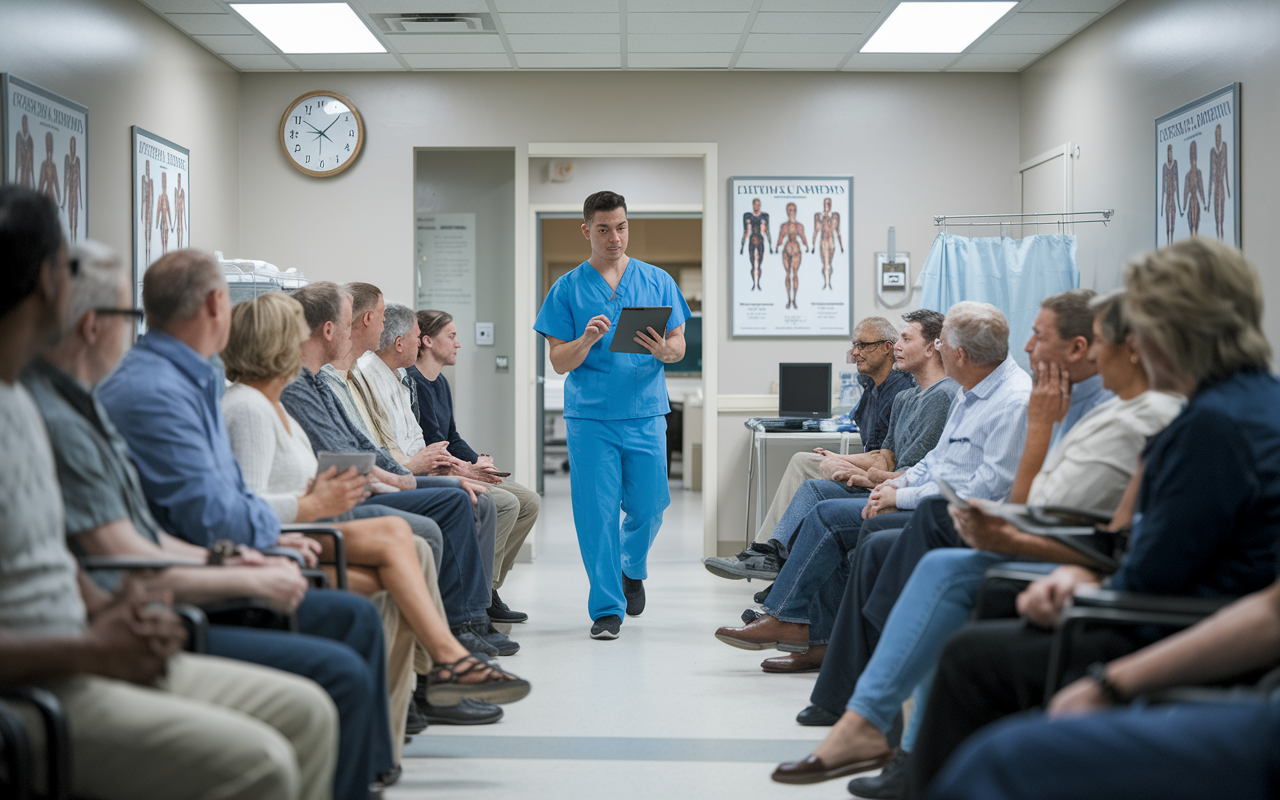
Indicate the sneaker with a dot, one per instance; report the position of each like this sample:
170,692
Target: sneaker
607,627
416,721
501,612
633,590
890,784
466,712
762,560
482,627
762,595
474,643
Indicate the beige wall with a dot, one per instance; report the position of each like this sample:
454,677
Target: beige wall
1104,89
130,67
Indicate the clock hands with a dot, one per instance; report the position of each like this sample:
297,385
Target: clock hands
321,134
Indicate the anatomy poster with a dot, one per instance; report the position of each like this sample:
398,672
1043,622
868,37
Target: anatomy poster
1198,169
791,244
45,139
161,200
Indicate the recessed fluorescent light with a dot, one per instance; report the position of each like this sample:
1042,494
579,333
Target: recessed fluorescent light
311,27
935,27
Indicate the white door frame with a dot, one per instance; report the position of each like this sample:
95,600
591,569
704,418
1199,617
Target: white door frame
1068,152
526,299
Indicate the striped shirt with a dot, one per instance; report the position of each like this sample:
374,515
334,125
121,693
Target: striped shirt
981,445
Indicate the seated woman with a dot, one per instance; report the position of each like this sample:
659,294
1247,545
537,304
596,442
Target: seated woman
383,557
1091,466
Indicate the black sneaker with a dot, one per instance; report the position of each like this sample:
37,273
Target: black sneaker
481,627
890,784
633,590
762,560
466,712
416,721
607,627
501,612
473,642
762,595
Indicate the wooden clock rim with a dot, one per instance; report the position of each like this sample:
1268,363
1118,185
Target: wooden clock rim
284,148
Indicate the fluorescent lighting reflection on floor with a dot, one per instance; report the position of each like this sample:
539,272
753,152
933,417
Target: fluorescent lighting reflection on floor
935,27
311,27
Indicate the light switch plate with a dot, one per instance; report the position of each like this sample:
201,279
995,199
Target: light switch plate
484,334
501,363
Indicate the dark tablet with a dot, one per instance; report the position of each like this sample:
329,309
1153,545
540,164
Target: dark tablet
638,318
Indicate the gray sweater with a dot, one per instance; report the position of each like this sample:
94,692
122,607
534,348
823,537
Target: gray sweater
312,403
916,421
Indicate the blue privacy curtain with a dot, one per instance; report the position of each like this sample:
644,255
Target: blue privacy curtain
1014,275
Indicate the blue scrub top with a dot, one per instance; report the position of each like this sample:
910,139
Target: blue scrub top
609,385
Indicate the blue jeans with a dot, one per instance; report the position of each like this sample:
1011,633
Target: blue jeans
341,647
462,583
935,603
1175,751
810,493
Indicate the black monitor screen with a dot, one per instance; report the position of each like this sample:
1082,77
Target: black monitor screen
804,390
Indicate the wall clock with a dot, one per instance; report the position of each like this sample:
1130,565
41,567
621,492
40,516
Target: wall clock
321,133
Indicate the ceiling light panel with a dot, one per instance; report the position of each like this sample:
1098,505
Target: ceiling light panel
311,27
932,27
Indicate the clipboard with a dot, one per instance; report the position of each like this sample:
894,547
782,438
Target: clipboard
638,318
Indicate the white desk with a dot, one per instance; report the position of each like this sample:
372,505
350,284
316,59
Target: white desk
758,465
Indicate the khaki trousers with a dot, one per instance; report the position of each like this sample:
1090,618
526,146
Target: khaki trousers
406,657
518,509
803,467
214,729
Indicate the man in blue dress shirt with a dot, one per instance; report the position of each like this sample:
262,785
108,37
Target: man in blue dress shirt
615,407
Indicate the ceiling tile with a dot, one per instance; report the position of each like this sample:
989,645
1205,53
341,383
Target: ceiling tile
872,6
988,62
452,61
569,60
817,22
1021,43
1095,6
185,6
801,42
565,43
893,62
556,6
789,60
688,5
257,63
422,6
560,23
682,42
696,22
209,23
345,61
678,60
236,45
445,43
1049,22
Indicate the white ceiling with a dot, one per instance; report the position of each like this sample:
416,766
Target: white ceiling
820,35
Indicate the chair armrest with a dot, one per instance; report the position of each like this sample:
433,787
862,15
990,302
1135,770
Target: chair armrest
1095,597
57,739
197,625
246,612
286,552
128,563
15,755
1000,587
339,546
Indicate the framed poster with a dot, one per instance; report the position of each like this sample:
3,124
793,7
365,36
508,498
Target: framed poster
45,148
790,264
1198,169
161,200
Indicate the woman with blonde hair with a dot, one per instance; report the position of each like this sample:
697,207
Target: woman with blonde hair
385,561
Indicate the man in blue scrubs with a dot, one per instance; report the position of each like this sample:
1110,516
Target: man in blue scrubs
615,407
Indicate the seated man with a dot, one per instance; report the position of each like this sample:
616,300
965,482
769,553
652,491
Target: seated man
977,452
434,410
1196,310
145,719
915,422
319,409
1088,468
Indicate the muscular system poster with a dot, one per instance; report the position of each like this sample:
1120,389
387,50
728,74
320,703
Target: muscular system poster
45,138
791,240
1198,169
161,200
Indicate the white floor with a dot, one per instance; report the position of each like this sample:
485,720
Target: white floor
664,711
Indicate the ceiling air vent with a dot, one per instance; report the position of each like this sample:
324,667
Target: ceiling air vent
435,23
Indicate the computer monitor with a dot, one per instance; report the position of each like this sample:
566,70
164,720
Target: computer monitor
804,390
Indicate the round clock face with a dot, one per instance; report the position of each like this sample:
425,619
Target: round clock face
321,133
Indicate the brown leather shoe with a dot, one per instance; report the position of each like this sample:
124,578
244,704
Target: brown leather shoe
767,632
812,770
808,661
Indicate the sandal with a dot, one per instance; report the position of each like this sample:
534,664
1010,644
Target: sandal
445,686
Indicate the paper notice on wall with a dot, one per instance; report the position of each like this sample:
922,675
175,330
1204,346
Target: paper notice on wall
446,263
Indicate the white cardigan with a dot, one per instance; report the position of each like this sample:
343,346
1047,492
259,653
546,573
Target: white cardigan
276,462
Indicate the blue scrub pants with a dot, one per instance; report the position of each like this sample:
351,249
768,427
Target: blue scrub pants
616,464
1176,751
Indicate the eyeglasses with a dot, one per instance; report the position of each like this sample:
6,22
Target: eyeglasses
136,313
865,345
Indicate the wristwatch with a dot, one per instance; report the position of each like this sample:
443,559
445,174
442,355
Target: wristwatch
222,550
1097,672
